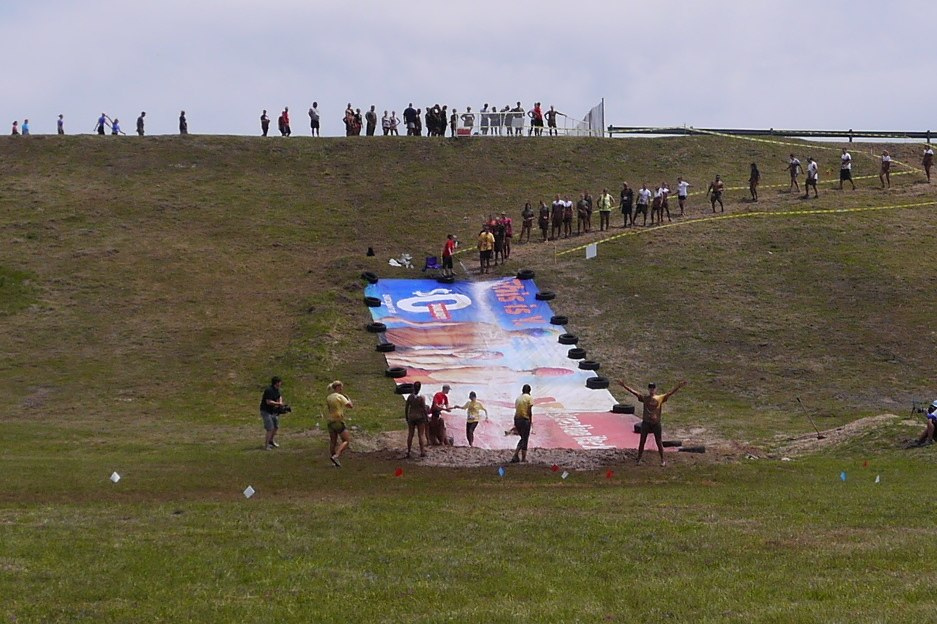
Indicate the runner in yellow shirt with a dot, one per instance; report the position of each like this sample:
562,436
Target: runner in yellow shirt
523,421
472,409
337,403
486,243
606,203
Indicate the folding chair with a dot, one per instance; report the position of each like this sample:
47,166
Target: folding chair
432,264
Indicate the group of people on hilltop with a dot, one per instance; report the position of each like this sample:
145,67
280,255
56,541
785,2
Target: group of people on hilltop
102,125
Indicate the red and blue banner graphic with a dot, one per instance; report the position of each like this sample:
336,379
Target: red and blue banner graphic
493,337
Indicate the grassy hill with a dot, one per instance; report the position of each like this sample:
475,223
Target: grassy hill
149,288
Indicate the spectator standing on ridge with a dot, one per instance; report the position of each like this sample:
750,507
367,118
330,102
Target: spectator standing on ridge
357,122
25,127
271,404
16,128
928,161
716,187
183,124
543,220
682,194
650,420
473,410
517,119
885,173
394,123
414,412
264,123
626,198
794,167
523,423
485,119
527,221
313,119
813,176
486,245
102,122
418,123
845,169
409,119
430,119
505,119
644,198
115,127
140,123
448,250
385,123
581,213
551,121
453,122
468,120
606,203
337,403
536,120
754,178
495,123
60,125
285,115
370,119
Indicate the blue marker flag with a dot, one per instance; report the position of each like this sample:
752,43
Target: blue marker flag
842,476
501,471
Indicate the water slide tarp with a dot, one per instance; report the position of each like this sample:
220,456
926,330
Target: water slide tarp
493,337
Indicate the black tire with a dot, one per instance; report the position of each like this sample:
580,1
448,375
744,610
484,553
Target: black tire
672,443
692,449
525,274
445,279
559,320
590,365
372,302
385,347
404,388
545,295
576,353
369,277
597,383
637,427
568,339
396,372
376,328
622,408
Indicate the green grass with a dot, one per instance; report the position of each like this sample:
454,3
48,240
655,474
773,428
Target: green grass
148,289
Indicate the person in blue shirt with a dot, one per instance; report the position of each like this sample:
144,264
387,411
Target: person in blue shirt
115,127
60,124
25,127
102,123
927,437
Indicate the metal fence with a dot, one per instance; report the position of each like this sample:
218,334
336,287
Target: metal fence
772,132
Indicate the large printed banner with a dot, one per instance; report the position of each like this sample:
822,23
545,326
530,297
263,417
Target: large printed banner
492,338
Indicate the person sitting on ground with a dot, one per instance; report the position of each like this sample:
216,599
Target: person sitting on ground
527,221
414,412
472,409
927,436
716,187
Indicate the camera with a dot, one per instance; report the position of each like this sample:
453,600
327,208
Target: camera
283,409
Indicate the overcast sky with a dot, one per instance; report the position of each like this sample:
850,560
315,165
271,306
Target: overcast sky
826,64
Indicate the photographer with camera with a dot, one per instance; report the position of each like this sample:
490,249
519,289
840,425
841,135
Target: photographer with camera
271,406
337,403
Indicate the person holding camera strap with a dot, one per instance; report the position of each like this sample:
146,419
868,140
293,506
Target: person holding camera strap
337,403
271,406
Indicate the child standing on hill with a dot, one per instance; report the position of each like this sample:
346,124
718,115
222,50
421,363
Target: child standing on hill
472,409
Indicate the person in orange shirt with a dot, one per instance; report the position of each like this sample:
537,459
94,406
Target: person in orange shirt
486,245
650,420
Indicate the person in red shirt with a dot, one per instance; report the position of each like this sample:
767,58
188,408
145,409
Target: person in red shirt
447,251
437,426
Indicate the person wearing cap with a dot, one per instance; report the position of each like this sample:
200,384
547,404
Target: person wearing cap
650,420
270,405
813,176
927,437
337,403
437,426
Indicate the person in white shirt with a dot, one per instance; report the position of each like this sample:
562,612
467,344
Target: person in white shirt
845,169
682,186
813,175
885,174
644,198
394,122
794,168
385,123
928,161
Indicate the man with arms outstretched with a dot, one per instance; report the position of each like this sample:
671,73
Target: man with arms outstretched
650,421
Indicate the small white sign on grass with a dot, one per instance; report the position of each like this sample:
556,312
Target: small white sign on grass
591,251
115,477
248,492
